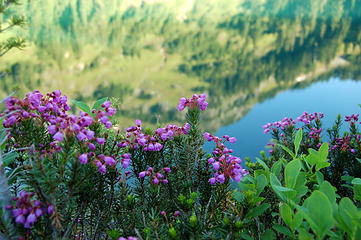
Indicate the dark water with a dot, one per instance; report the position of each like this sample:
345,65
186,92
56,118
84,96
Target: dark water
258,61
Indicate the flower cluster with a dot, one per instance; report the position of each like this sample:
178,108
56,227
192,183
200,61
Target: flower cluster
128,238
27,211
226,166
103,115
135,138
352,119
306,118
194,102
156,177
34,105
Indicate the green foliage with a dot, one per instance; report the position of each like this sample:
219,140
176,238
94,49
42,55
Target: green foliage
12,21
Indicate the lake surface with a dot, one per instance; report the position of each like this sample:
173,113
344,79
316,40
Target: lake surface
258,61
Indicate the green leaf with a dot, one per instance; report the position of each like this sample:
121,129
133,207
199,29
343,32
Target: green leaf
305,235
289,151
292,170
318,158
286,214
261,183
320,178
282,192
99,102
262,163
268,235
246,236
9,158
257,211
348,216
277,167
319,213
239,197
298,139
82,106
330,192
282,229
356,182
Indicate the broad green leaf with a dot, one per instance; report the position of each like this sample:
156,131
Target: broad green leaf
319,213
268,235
289,151
305,235
297,220
82,106
318,158
257,211
286,214
262,163
282,229
99,102
298,139
282,192
348,217
239,197
320,178
292,170
300,186
261,183
356,182
277,167
329,191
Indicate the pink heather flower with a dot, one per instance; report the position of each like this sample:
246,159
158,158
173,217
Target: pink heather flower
52,129
106,104
220,178
216,166
125,162
58,137
81,136
111,111
50,209
212,180
104,119
194,102
232,139
176,213
142,174
166,170
83,158
100,141
155,181
109,161
102,169
90,134
138,122
108,124
91,146
163,213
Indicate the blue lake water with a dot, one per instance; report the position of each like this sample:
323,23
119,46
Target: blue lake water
330,97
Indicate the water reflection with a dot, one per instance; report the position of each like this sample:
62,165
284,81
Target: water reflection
148,54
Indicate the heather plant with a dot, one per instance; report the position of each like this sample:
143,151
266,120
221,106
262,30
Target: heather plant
344,147
77,176
67,176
